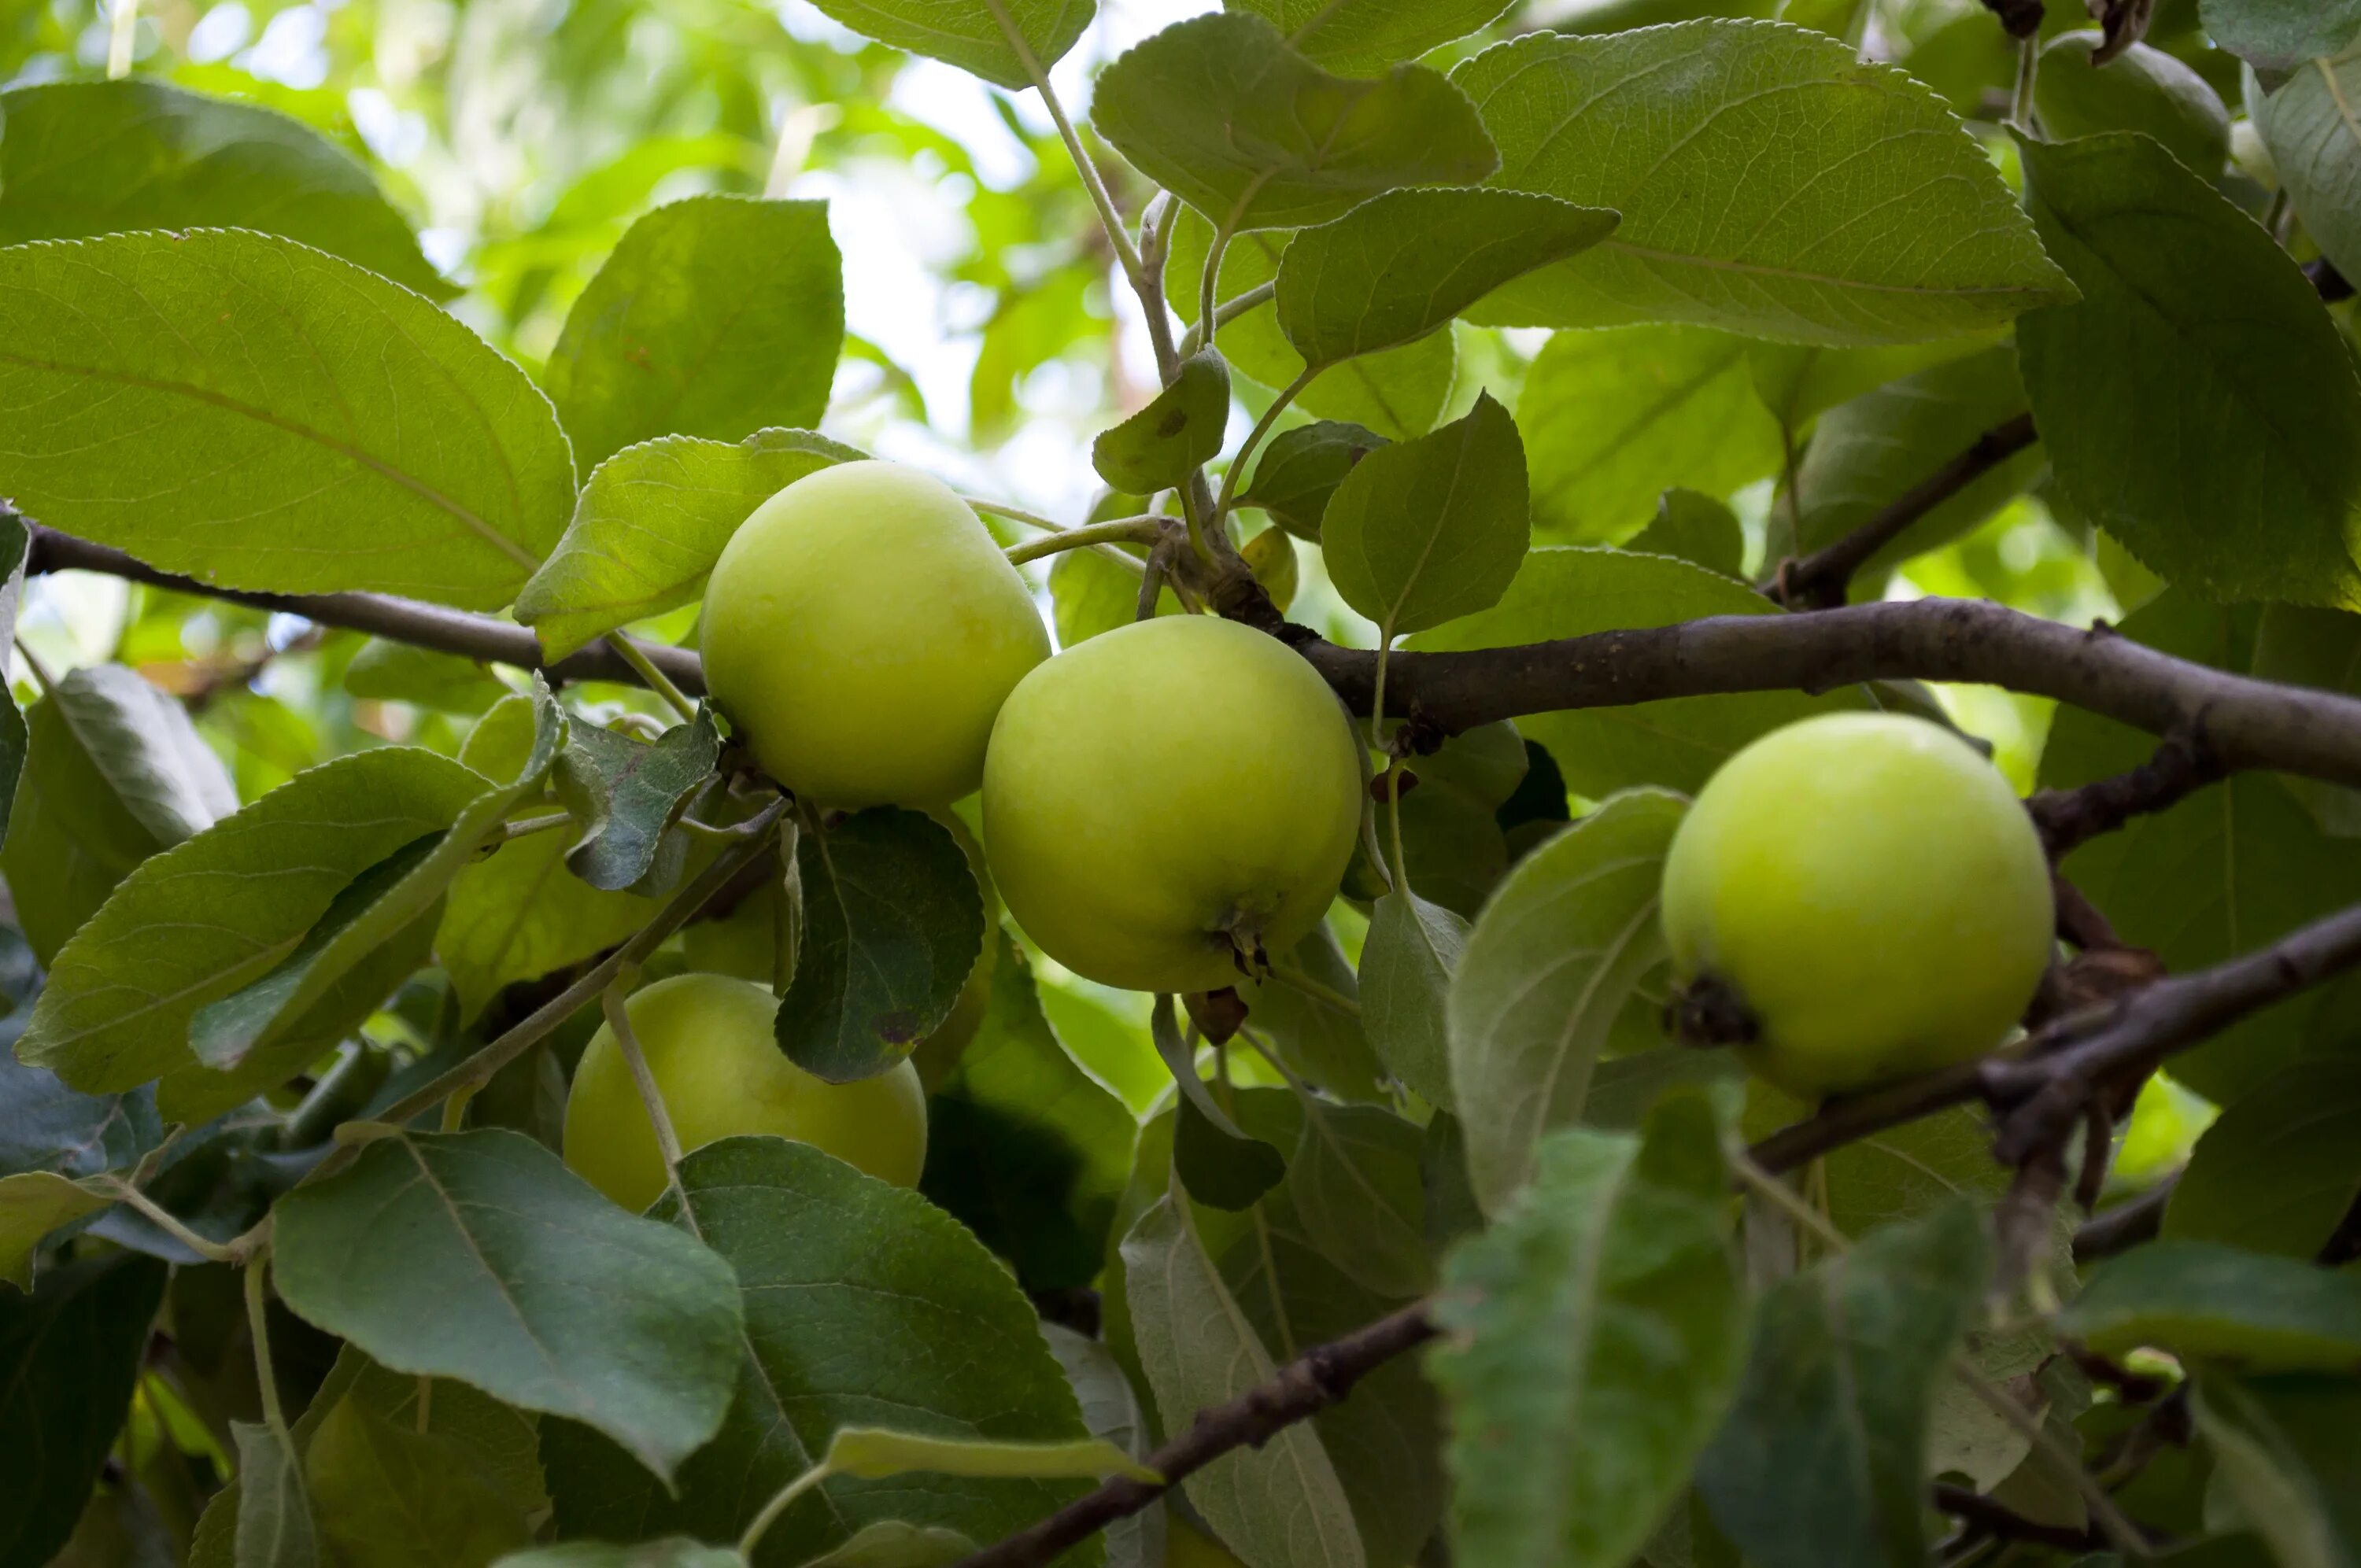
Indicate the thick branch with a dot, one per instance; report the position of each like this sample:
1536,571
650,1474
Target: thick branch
1303,1387
479,637
2248,723
1820,580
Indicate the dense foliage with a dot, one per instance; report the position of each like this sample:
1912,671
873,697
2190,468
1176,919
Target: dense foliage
892,784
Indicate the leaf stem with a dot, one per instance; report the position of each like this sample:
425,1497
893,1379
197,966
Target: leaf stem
1296,980
258,1318
1015,514
527,826
163,1220
34,667
627,1043
122,40
1228,311
2020,103
1254,439
1125,531
784,1498
657,681
1117,235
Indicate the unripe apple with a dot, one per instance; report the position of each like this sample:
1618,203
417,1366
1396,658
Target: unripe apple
1866,894
1168,798
708,1045
860,630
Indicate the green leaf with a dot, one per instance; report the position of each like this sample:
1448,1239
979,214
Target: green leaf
502,1442
1452,841
2284,1453
1111,1410
70,1355
1432,528
1360,38
519,915
1023,1146
263,1033
1300,470
2141,89
1594,1338
243,409
2279,34
1613,419
1403,263
216,912
1548,969
1358,1186
32,1205
863,1302
46,1126
715,316
275,1528
1321,1040
1221,112
2239,474
2280,1169
386,670
650,524
1850,1352
968,33
672,1551
368,911
1407,961
1178,432
392,1497
2315,147
1396,394
626,793
1866,454
84,159
1697,529
1798,382
1089,593
1715,140
2232,867
1220,1163
2201,1299
15,546
1386,1443
113,772
477,1255
1570,591
892,924
879,1454
1280,1502
891,1543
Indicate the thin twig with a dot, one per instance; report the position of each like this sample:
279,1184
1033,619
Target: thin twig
1982,1513
1124,531
1822,579
2070,818
635,1061
164,1219
1311,1383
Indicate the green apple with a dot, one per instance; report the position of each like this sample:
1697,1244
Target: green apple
860,630
708,1041
745,943
1869,894
1167,799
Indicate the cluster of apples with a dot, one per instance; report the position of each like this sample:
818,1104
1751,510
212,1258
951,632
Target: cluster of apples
1862,893
1158,801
